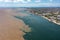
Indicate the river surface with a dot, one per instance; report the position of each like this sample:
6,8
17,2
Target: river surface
41,28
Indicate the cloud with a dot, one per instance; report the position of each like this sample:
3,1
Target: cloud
30,5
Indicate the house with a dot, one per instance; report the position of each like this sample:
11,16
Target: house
58,18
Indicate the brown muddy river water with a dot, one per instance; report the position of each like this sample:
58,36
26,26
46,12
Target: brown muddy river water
10,26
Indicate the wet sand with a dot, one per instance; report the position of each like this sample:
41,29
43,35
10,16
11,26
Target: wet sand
10,26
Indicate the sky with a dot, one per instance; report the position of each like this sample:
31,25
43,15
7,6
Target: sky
30,3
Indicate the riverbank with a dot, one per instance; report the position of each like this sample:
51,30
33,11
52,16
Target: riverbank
51,19
54,21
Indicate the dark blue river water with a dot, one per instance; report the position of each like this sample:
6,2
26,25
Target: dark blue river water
41,28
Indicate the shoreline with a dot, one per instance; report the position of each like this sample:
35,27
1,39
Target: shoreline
50,20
